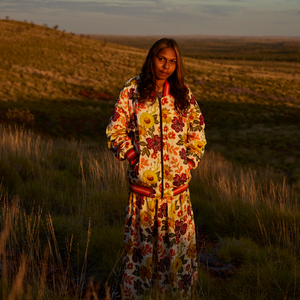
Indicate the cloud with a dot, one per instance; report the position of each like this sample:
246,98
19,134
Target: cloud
78,6
154,9
158,17
273,12
223,1
220,10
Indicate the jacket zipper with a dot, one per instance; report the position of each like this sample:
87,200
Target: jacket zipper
162,146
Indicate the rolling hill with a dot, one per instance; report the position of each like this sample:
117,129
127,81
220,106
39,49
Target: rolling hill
68,83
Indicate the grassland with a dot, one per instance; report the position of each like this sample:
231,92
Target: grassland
57,93
221,47
70,216
69,83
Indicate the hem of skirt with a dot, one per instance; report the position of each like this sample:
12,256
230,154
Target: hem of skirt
145,191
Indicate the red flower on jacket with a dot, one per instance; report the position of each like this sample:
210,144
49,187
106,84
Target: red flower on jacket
163,211
177,124
182,154
154,143
137,255
139,201
180,228
164,264
178,181
116,115
185,282
130,94
193,101
171,135
201,120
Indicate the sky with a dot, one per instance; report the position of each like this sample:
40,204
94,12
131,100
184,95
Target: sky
161,17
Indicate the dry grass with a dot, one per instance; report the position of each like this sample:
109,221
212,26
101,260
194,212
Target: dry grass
221,47
251,108
54,65
228,202
25,268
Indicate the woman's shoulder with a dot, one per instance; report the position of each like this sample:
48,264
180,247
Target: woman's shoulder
191,97
133,82
187,86
190,94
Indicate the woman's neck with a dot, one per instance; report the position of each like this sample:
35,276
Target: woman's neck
160,85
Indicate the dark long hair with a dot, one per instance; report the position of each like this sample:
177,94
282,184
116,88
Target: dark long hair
147,86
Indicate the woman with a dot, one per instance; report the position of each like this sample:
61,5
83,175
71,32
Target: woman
158,127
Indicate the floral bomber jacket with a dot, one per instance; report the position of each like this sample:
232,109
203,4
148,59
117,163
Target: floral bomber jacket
161,145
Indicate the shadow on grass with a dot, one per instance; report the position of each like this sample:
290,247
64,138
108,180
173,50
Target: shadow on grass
246,133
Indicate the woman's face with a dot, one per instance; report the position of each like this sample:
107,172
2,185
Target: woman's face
164,63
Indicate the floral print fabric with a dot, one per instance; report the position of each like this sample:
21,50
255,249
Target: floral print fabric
161,145
160,246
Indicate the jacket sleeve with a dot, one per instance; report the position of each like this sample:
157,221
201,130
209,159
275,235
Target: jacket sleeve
118,139
195,134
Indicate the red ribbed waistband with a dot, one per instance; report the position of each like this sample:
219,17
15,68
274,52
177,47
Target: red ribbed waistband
146,191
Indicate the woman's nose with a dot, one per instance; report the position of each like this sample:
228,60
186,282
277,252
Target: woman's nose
166,65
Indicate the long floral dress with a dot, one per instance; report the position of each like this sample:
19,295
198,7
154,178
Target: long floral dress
161,146
160,247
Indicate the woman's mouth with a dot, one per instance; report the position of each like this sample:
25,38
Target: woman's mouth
164,73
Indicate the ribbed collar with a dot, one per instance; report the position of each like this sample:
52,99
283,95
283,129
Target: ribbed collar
166,89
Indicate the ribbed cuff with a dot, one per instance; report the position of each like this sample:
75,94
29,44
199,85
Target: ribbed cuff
190,163
131,156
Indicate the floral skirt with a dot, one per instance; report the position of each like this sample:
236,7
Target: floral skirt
159,246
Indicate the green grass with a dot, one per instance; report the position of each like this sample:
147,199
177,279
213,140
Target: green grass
265,273
64,193
73,198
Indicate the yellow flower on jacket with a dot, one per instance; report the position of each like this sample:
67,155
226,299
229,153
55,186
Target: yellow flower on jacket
200,144
166,116
146,219
184,137
150,177
149,263
183,198
128,247
145,273
168,173
176,264
171,223
172,210
194,115
142,131
151,208
146,120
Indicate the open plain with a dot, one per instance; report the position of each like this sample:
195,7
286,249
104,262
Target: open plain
63,195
